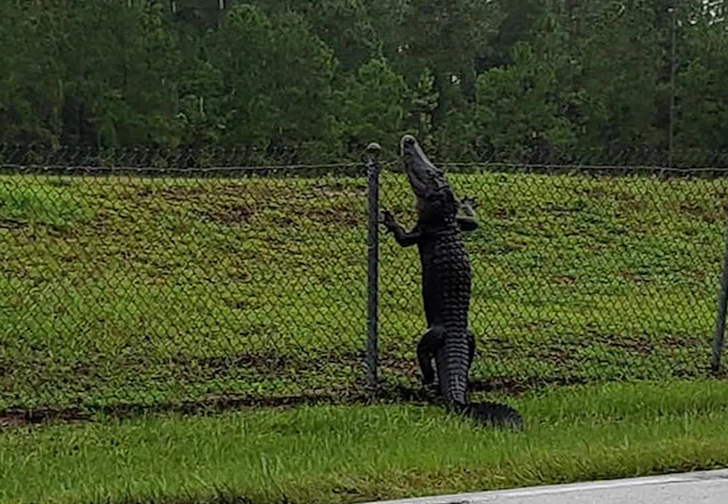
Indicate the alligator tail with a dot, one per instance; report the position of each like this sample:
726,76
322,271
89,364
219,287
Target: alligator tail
491,414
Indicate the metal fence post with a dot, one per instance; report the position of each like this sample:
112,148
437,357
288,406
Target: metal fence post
718,337
372,164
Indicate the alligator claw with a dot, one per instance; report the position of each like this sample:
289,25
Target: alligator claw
388,220
472,202
431,389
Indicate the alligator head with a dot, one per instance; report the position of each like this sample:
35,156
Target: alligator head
435,200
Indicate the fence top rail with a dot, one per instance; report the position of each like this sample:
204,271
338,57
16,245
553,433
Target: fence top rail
357,169
212,156
494,166
93,167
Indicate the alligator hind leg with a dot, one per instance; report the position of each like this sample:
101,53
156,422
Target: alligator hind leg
426,349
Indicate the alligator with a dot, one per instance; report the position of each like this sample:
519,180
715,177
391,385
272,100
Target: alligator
446,285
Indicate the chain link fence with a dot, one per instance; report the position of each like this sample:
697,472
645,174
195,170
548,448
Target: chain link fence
168,282
578,276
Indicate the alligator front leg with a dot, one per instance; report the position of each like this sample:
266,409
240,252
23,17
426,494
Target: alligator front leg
404,238
467,219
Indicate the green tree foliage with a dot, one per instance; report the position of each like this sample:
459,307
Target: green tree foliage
117,78
276,79
621,51
703,78
31,77
445,37
316,80
346,27
373,104
517,110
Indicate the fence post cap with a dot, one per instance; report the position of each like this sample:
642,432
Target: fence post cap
373,148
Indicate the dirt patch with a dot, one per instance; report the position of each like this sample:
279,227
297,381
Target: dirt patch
234,205
6,223
398,373
338,189
180,193
221,205
636,344
209,367
391,390
275,190
332,217
205,192
271,362
621,195
563,279
596,192
564,207
339,217
230,214
12,420
399,365
498,349
646,345
193,369
503,213
494,346
709,215
516,386
514,244
635,276
687,340
556,354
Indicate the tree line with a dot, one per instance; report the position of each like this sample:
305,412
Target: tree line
316,80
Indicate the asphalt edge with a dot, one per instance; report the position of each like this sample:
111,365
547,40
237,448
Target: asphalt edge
488,496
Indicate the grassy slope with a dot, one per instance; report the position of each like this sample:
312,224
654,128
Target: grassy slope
140,290
348,454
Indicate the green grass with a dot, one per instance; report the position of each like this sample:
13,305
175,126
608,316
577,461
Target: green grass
349,454
139,290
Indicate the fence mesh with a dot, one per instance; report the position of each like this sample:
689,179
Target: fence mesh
145,290
123,286
577,276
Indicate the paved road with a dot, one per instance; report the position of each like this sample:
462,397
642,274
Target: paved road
708,487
